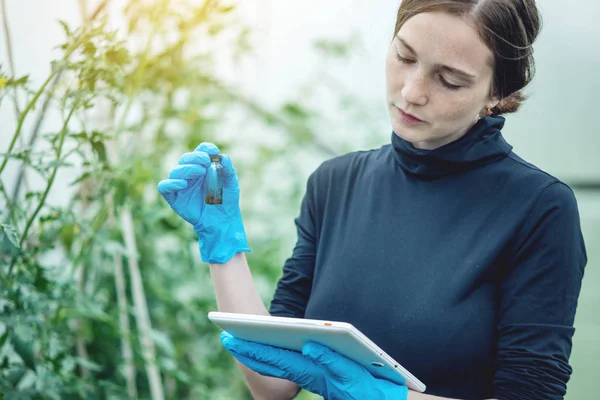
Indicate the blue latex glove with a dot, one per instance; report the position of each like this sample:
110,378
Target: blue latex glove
220,229
317,369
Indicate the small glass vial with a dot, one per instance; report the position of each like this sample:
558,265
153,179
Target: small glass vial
213,190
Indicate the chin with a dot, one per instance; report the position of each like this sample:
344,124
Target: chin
408,134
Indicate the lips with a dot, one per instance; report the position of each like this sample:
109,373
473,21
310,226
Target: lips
408,118
409,115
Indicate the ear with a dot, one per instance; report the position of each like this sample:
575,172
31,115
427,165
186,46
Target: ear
492,102
493,99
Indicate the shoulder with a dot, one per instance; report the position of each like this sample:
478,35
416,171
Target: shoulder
548,200
353,164
525,170
528,181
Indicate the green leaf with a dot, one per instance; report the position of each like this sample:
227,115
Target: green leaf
15,374
89,49
100,150
79,136
88,364
3,338
89,313
11,234
57,66
118,56
215,28
295,110
65,27
58,164
81,178
41,283
113,247
333,48
24,350
226,9
31,195
21,81
163,342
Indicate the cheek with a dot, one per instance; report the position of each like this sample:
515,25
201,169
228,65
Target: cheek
458,106
393,72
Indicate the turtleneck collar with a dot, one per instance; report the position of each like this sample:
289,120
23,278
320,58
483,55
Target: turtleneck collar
482,144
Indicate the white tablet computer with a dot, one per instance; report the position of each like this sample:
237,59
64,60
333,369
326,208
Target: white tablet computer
293,333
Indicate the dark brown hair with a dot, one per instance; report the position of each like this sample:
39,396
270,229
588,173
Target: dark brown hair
507,27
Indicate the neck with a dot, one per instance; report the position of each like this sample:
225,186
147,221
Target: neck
481,144
435,143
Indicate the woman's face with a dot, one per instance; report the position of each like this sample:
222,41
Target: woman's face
439,71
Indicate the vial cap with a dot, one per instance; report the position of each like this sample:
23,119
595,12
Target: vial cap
215,158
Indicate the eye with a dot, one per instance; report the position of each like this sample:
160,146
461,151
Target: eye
447,85
403,60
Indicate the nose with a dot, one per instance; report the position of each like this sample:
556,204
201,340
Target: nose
415,89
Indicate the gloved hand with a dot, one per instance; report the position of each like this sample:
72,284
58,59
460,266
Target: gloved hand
317,369
220,229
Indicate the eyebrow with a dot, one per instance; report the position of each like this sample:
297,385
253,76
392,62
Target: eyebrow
443,67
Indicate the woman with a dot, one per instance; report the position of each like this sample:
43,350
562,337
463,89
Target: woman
458,258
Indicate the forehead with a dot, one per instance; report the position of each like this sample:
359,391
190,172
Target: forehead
440,37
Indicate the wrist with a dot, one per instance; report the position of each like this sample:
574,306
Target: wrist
392,391
413,395
221,257
218,247
403,393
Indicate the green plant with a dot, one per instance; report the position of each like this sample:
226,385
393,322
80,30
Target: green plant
103,295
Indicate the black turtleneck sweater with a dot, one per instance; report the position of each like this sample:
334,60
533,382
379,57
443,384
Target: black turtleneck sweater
464,263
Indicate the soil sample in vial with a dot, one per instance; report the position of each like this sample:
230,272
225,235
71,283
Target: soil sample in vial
213,189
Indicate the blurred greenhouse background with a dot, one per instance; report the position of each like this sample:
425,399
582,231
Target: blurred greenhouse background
103,294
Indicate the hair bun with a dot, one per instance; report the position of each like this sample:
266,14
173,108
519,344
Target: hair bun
509,104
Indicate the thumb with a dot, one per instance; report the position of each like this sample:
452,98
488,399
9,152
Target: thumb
338,365
230,179
168,188
208,148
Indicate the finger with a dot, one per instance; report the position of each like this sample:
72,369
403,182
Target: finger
253,350
338,365
208,148
261,368
230,180
291,361
187,171
228,168
168,188
196,157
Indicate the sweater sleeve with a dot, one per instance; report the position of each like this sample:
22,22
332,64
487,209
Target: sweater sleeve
294,287
538,297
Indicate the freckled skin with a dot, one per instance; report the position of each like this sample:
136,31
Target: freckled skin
416,87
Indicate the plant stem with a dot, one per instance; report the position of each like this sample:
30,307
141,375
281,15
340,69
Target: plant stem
34,135
9,50
11,64
83,9
141,306
63,133
36,129
32,103
22,117
126,349
80,341
9,206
